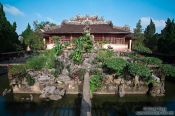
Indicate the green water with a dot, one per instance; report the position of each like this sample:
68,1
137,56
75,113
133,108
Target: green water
102,105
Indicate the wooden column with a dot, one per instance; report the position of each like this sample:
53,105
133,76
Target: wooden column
71,38
130,44
44,41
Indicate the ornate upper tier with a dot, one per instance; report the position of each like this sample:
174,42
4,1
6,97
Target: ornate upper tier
86,20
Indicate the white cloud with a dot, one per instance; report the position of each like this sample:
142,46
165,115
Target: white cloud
13,10
158,23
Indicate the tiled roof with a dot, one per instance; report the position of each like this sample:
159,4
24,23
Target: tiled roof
79,28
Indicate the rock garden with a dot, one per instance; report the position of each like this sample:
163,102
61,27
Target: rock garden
59,71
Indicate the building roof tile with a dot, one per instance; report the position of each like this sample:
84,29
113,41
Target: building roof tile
79,28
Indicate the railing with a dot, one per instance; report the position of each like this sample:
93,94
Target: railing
13,55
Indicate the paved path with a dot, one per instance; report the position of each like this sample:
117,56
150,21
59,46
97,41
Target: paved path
86,101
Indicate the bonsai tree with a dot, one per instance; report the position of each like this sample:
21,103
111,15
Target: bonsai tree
116,64
138,70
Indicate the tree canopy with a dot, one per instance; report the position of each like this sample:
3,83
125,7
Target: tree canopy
149,33
8,36
166,43
27,31
32,39
163,42
138,35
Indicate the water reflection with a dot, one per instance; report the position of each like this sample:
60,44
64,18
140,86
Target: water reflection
102,105
111,105
68,106
20,104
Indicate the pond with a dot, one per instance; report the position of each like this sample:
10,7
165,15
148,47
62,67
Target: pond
12,104
102,105
112,105
68,106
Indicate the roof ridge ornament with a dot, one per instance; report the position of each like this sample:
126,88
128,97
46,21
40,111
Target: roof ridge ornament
86,19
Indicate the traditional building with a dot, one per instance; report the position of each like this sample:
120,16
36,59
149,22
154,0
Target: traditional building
117,38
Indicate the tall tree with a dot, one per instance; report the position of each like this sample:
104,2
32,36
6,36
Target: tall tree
14,26
27,31
35,41
149,33
138,31
166,43
32,39
8,36
138,35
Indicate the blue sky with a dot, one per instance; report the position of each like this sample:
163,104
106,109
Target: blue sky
121,12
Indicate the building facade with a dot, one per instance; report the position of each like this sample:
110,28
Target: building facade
117,38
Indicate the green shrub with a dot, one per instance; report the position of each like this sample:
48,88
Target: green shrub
132,55
43,60
17,69
78,43
168,70
36,62
116,64
50,59
58,48
87,42
95,82
77,56
141,48
151,60
102,55
47,59
84,42
139,70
